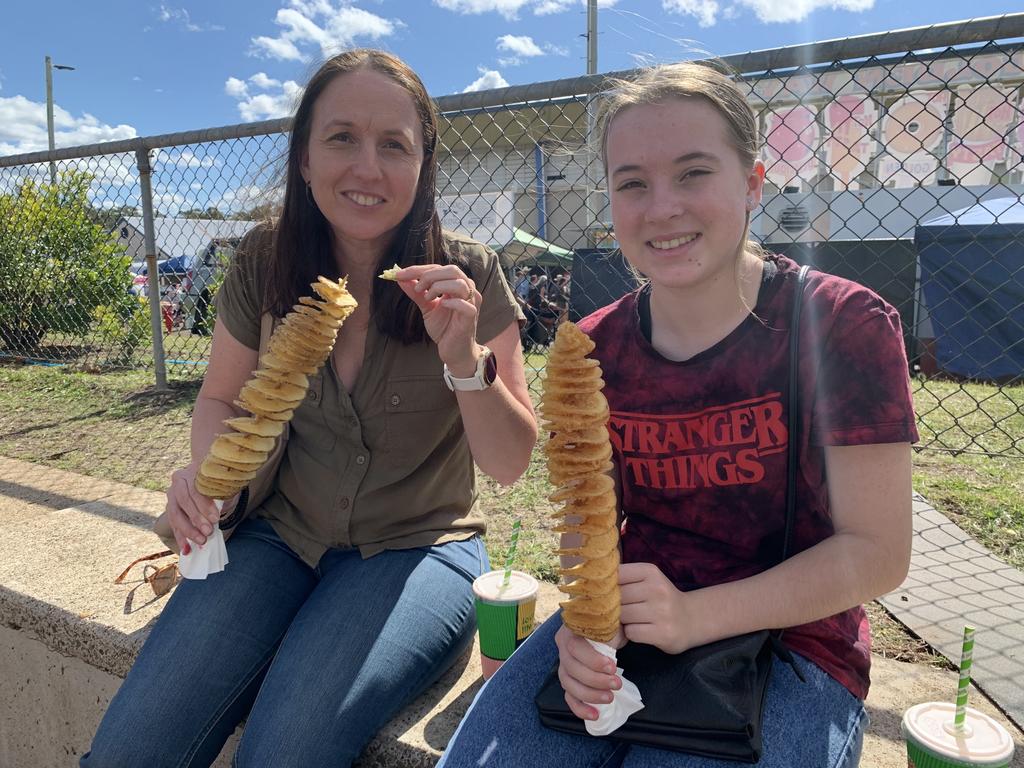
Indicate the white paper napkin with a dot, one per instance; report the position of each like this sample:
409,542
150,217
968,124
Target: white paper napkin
624,703
200,562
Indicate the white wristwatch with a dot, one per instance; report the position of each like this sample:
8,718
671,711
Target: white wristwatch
486,373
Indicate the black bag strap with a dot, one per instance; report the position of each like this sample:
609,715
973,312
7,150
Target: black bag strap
793,417
792,450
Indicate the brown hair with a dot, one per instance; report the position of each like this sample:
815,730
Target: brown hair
689,80
302,239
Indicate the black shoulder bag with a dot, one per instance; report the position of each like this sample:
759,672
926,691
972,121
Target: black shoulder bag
707,700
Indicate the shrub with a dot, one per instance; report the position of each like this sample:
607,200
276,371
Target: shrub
125,326
56,265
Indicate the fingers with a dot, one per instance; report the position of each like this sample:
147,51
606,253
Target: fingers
587,676
460,307
447,289
634,573
191,515
431,281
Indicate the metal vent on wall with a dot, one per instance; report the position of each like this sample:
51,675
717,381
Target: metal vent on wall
794,218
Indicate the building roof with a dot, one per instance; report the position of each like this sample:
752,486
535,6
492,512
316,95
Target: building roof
1003,210
188,237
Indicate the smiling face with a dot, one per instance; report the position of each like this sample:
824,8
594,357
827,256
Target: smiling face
363,159
679,191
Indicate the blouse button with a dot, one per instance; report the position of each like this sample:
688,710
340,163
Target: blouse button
344,503
396,400
360,459
311,395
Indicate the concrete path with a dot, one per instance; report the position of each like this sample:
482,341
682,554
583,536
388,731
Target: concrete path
955,581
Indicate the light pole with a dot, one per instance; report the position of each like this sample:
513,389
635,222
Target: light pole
50,66
591,70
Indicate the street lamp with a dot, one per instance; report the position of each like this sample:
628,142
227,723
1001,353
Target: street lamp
50,66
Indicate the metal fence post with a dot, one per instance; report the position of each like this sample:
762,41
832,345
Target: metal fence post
146,187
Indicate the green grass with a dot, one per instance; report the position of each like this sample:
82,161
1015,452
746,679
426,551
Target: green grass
983,494
112,425
970,417
183,351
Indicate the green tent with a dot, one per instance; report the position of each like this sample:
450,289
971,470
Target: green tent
525,250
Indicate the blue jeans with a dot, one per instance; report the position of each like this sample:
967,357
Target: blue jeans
817,724
318,659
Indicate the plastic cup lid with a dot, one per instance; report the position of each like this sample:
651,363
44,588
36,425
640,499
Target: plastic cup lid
520,587
983,741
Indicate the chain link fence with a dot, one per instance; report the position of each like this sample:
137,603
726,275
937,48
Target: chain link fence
892,159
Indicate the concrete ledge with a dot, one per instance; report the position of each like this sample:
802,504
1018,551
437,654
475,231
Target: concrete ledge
68,634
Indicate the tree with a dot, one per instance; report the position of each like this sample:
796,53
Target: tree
262,212
212,212
56,264
108,217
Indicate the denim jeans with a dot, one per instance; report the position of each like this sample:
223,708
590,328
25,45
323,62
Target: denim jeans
817,724
318,659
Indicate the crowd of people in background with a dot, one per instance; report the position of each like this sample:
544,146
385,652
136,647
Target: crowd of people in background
544,300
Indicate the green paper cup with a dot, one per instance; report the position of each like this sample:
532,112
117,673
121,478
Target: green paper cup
933,741
504,615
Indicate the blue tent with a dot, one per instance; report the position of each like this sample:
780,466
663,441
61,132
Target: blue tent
972,278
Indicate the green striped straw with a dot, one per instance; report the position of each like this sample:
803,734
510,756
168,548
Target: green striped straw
965,678
511,556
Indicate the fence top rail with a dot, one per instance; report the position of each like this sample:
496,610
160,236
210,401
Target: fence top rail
1005,27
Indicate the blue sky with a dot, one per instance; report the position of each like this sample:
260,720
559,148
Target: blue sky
145,68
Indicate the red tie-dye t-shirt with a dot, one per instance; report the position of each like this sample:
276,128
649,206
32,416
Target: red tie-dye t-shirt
700,445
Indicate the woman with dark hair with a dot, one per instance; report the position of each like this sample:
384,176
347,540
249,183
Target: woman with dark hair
348,590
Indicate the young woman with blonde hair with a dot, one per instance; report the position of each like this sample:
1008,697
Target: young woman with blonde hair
696,369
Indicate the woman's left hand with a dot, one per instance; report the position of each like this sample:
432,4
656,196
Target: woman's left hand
450,304
653,610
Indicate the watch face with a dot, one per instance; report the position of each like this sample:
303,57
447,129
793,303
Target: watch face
490,369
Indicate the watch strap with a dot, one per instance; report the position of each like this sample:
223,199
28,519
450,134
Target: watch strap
483,378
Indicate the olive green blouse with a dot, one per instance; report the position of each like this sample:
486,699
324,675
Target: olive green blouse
386,466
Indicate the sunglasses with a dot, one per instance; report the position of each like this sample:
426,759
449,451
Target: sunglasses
160,578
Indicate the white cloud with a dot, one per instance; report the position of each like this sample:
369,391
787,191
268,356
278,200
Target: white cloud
186,158
767,11
507,8
488,79
168,202
704,10
320,24
136,79
260,80
23,127
236,88
523,47
279,101
520,45
276,48
181,15
545,7
770,11
510,8
244,197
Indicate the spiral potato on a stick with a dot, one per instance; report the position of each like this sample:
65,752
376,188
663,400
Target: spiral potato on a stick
579,459
299,345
